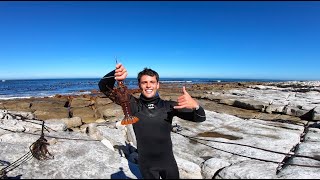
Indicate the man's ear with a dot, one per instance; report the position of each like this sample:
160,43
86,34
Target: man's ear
158,85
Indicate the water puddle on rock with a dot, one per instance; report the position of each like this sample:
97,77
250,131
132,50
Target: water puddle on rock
215,135
218,135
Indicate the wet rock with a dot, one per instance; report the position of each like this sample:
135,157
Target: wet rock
294,111
80,102
17,105
275,109
52,113
86,113
316,114
46,104
109,111
250,104
212,166
102,101
70,122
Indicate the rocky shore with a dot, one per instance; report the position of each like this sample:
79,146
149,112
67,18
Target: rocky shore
87,141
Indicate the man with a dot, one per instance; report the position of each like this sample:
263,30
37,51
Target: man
156,158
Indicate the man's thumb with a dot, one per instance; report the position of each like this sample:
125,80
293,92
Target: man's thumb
184,90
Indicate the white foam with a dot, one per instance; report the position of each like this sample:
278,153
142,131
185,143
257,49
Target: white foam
175,81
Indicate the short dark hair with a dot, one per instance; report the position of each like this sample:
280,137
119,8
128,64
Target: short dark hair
149,72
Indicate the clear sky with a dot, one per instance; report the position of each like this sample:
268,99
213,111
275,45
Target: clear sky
206,39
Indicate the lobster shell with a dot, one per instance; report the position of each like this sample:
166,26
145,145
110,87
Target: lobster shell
122,98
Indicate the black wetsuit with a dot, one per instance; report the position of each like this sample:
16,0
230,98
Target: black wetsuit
153,130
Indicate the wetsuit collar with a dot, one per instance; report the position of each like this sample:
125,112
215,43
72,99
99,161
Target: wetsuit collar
149,100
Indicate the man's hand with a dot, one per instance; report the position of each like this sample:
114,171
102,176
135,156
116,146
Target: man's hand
120,73
186,101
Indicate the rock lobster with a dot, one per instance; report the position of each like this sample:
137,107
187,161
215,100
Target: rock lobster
120,95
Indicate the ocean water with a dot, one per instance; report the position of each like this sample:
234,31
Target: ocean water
12,89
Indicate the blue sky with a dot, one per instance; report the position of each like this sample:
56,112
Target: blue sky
207,39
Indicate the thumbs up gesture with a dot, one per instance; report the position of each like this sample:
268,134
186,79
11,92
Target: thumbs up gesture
186,101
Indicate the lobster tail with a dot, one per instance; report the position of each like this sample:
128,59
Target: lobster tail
129,120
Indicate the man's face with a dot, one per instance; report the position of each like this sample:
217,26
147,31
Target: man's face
149,85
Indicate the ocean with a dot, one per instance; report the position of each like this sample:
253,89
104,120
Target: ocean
13,89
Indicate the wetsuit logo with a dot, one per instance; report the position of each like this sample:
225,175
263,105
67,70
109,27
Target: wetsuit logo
150,106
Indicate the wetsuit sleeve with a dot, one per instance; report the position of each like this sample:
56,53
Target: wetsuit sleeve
190,115
106,83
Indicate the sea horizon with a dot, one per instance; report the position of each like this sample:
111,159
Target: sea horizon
215,78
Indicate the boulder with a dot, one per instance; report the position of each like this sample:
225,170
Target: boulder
52,113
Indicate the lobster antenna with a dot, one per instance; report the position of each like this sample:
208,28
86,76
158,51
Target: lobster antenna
116,59
116,64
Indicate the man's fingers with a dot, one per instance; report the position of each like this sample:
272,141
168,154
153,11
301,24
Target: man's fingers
119,69
182,102
121,75
181,98
185,100
120,72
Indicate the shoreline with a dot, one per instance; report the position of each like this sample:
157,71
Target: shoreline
48,93
169,86
226,97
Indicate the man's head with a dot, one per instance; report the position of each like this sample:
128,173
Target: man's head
148,80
